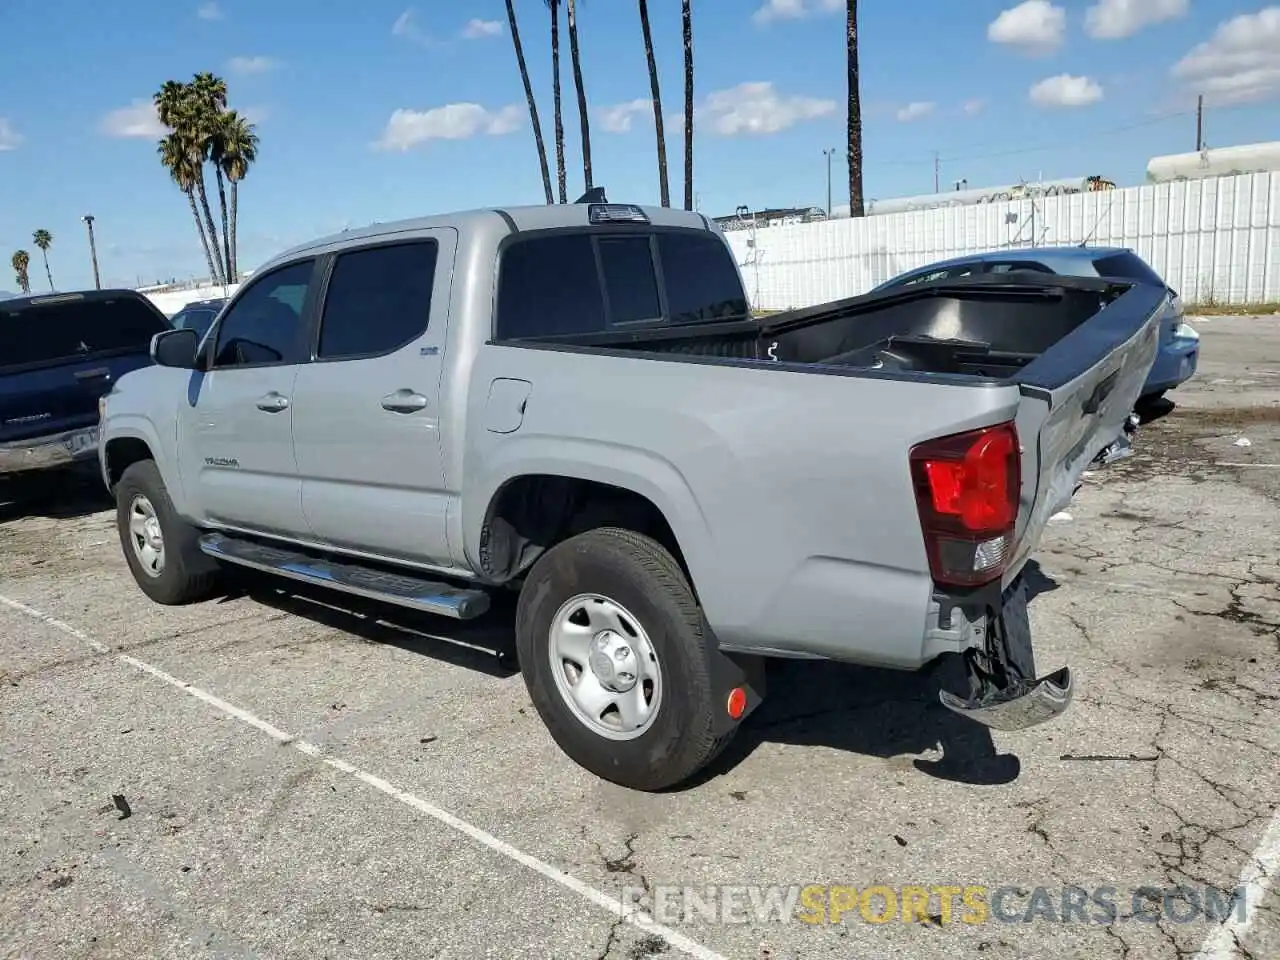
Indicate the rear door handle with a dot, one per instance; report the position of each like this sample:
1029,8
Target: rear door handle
404,401
94,373
272,402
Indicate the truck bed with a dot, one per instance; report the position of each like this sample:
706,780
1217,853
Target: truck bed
796,431
1015,327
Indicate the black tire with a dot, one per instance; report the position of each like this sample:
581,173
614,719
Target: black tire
188,575
641,575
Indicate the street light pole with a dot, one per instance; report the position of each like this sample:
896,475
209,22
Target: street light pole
93,251
829,154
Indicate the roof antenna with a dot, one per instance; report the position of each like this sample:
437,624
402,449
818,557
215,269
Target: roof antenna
594,195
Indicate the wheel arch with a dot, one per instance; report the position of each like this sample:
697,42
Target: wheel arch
522,511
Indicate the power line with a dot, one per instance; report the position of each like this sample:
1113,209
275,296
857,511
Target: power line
1037,148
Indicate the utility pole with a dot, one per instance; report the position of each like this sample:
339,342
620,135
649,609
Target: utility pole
93,251
1199,123
936,167
829,154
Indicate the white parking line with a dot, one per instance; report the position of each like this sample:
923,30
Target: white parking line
628,912
1224,942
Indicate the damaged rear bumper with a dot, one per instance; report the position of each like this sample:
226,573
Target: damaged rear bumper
1004,691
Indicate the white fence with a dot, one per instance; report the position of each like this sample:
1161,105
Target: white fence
1213,240
171,301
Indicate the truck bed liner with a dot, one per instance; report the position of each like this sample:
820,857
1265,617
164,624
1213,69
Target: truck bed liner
1027,328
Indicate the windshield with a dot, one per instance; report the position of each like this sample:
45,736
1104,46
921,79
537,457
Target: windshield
198,319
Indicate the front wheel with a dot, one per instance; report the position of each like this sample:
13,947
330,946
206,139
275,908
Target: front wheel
616,661
160,547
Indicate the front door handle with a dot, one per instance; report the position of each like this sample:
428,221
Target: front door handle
404,401
273,402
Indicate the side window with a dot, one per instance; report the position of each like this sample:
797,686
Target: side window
629,279
1006,266
549,286
701,278
378,299
943,273
925,277
265,324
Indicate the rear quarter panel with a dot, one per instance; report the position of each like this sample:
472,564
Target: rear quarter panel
789,492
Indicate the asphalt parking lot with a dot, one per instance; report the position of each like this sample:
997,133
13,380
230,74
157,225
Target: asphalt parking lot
274,775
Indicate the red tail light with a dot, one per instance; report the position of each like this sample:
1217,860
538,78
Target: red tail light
967,488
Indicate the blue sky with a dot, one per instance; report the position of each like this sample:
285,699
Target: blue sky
1001,90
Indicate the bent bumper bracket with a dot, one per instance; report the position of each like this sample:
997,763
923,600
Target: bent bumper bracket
1004,693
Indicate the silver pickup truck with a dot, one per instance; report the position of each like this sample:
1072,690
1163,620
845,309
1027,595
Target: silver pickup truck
575,401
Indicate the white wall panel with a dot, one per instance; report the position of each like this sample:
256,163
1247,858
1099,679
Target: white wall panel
1214,239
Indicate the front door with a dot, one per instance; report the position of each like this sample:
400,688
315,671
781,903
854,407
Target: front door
366,411
237,449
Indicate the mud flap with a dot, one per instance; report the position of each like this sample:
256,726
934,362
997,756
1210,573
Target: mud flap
1004,693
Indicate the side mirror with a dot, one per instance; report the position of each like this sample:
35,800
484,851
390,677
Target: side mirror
175,348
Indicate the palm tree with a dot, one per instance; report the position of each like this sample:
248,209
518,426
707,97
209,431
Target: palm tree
533,105
554,6
43,239
657,103
21,260
210,98
583,122
237,152
176,157
855,114
189,111
688,105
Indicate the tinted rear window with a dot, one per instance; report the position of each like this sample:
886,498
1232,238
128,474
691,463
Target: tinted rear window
629,278
50,332
701,278
577,283
549,286
1127,266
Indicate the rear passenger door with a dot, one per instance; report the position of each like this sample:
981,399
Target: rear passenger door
367,419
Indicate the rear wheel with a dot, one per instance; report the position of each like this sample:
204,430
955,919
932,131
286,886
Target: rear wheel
161,548
616,661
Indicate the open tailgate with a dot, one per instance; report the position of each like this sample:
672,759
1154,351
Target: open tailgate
1076,397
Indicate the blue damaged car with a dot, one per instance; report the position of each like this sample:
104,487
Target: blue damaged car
1179,342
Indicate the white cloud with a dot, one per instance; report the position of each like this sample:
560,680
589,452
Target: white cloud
1240,62
794,9
754,109
136,120
916,110
10,139
1035,27
209,11
1064,90
248,65
406,26
973,107
617,118
1117,19
475,29
453,121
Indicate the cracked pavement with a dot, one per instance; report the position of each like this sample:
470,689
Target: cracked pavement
1160,587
